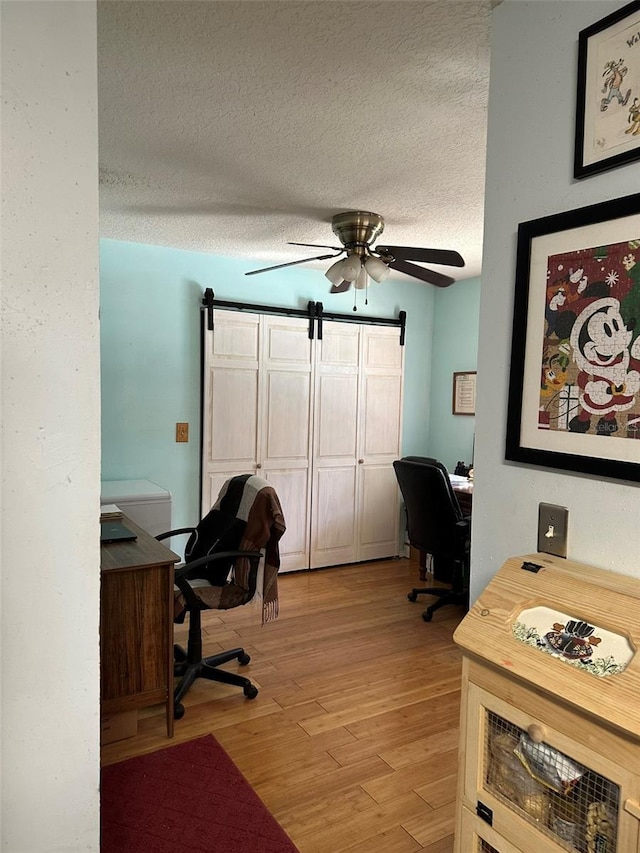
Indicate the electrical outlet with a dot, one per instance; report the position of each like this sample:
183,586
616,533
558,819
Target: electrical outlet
553,527
182,432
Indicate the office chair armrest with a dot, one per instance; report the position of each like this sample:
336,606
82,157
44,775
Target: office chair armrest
169,533
191,570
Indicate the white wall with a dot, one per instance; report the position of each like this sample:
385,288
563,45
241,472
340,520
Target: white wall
51,437
529,175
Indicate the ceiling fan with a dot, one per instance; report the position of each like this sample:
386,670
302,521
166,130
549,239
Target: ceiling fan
357,230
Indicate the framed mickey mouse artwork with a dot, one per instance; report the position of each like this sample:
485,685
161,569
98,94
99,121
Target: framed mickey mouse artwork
574,389
608,95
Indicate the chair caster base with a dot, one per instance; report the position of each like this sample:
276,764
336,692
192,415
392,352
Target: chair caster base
412,596
427,616
178,711
250,691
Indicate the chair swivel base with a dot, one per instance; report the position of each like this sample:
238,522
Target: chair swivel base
445,596
208,668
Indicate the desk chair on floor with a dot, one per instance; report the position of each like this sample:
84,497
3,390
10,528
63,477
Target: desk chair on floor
436,525
222,569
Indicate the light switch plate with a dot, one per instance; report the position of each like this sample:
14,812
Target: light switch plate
553,527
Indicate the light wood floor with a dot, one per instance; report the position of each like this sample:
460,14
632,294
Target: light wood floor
352,740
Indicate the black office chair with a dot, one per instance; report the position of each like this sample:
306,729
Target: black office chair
220,571
436,525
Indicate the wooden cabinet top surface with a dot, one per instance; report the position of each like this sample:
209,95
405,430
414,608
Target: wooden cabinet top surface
589,613
135,554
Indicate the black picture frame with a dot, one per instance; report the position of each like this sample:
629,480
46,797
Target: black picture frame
463,398
608,115
576,271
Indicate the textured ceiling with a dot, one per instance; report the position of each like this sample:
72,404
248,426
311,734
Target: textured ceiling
233,127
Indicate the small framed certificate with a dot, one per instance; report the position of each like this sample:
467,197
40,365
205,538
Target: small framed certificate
464,393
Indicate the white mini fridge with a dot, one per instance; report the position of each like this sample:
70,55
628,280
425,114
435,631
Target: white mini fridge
145,502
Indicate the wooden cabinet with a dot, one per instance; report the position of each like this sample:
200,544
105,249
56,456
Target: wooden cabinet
550,722
320,420
136,624
476,836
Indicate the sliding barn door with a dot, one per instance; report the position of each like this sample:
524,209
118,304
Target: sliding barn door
285,436
335,446
320,420
380,436
231,412
257,415
357,435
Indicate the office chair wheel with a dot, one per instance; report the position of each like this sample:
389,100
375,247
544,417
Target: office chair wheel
244,659
412,596
250,691
178,711
427,616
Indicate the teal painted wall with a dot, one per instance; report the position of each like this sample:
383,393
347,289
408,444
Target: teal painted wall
455,348
150,351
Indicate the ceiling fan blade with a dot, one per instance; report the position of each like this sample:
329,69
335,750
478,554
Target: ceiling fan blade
340,288
430,276
319,246
292,263
445,257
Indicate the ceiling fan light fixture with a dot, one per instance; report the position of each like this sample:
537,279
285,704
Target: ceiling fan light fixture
363,279
351,267
376,268
334,273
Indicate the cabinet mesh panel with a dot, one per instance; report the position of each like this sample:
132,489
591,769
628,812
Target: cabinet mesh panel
487,848
571,803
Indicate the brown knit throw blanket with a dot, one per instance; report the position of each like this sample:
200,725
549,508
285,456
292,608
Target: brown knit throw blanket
254,501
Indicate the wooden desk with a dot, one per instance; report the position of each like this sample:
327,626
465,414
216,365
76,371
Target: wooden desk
464,493
136,624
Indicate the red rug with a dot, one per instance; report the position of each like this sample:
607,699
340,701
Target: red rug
189,797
